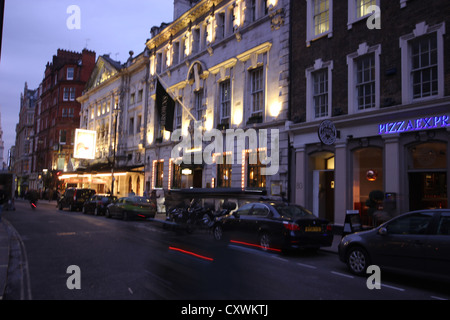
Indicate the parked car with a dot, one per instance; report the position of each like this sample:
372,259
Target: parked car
417,242
274,226
97,204
74,198
131,207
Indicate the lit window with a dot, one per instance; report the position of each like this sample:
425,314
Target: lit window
257,90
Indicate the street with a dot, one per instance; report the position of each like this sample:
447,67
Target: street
141,260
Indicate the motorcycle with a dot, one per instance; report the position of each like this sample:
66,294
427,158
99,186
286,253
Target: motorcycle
199,215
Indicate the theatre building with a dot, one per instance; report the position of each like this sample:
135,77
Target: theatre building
370,107
226,65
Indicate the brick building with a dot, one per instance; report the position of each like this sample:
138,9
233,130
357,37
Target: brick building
57,111
381,98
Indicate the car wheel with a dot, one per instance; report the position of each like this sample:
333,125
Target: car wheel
107,213
358,260
265,241
218,232
125,216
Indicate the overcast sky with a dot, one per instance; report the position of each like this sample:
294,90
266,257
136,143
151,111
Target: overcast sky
33,31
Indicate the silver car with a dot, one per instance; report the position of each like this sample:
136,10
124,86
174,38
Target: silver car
417,242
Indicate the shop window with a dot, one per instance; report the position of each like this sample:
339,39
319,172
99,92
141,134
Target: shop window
367,178
254,178
159,174
176,180
427,176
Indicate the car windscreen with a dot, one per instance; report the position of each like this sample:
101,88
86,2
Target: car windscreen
293,212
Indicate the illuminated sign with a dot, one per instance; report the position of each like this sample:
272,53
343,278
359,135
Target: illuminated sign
414,125
84,144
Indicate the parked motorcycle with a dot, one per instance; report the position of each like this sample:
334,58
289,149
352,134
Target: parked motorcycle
199,215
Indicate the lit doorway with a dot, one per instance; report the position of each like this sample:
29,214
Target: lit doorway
322,165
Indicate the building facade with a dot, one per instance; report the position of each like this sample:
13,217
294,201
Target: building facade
57,114
114,105
370,106
22,166
226,65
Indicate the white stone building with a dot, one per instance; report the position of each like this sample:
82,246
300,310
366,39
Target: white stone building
226,63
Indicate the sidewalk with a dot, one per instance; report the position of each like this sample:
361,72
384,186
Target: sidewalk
4,256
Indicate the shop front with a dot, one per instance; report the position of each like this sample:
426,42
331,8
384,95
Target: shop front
379,169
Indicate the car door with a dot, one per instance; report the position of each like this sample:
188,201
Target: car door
254,222
438,249
235,224
403,245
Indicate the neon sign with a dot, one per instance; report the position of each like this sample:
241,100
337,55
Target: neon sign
414,125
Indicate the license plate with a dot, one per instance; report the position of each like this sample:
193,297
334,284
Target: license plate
313,229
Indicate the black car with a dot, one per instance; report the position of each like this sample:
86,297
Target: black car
74,198
97,204
416,242
275,226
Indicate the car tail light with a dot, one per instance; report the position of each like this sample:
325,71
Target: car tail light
329,228
291,226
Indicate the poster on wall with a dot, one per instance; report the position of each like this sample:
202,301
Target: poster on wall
84,144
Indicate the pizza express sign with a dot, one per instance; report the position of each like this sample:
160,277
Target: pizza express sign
414,125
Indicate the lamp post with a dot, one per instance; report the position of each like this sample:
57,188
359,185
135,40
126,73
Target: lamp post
116,114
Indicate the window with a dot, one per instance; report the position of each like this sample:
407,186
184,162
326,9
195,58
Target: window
198,104
176,180
252,10
260,210
320,93
257,90
224,170
70,73
220,29
319,19
131,126
254,178
422,68
416,224
132,98
365,82
318,88
178,113
321,16
225,100
159,174
62,136
364,78
359,10
72,94
444,224
66,94
139,97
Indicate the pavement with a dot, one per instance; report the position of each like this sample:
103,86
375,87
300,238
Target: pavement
5,249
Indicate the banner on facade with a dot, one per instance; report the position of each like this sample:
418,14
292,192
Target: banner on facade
165,106
84,144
